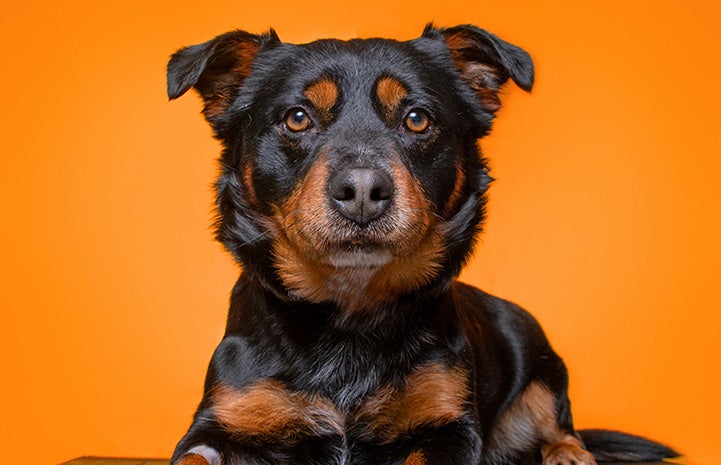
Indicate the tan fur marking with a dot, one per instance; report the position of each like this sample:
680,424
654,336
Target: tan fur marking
322,94
220,96
433,395
530,418
416,458
484,81
482,78
192,459
567,451
295,249
390,93
268,410
245,52
409,272
248,183
458,187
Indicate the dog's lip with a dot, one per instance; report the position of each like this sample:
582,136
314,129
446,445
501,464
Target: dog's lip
359,258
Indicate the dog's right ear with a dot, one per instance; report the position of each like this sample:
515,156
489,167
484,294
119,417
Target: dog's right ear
485,62
216,69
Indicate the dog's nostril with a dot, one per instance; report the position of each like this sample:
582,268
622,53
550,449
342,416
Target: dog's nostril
380,193
348,194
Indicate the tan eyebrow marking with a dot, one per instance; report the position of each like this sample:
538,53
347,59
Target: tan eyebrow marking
391,93
323,94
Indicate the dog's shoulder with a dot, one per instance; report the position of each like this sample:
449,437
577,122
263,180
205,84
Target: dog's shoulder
483,314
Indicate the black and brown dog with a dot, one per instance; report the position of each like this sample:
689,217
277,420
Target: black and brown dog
351,192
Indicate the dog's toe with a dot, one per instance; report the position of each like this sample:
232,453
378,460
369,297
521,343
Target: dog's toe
200,455
567,451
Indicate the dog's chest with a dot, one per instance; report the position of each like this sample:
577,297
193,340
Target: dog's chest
354,409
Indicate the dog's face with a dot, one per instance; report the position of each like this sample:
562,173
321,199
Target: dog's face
350,170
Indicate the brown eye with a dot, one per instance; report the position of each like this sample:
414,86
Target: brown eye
417,121
297,120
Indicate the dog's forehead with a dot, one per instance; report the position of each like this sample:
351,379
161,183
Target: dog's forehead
354,64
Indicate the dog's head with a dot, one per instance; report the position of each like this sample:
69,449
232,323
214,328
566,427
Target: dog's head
350,171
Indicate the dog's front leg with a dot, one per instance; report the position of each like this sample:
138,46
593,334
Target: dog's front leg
263,422
454,444
204,444
207,443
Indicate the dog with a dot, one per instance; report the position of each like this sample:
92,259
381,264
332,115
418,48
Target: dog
351,192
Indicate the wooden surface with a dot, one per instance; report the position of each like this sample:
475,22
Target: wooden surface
111,461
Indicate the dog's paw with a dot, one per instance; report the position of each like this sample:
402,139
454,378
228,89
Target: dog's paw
200,455
567,451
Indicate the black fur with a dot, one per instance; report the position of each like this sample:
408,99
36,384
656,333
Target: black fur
447,360
608,446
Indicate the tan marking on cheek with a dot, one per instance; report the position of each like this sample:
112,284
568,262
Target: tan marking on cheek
297,249
433,395
420,245
391,93
305,278
303,216
269,411
248,182
407,273
317,282
458,189
322,94
530,418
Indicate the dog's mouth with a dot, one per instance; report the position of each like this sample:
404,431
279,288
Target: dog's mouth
354,274
360,258
341,245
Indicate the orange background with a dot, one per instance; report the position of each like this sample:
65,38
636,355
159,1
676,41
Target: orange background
604,220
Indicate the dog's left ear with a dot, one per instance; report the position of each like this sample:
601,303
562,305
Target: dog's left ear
217,68
485,61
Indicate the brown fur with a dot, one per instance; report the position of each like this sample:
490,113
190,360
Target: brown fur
390,94
304,223
433,395
531,417
482,78
567,451
269,411
323,94
458,190
219,95
248,183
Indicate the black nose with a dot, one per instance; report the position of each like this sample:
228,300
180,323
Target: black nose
361,194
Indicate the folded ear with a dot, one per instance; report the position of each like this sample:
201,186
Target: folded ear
216,69
485,61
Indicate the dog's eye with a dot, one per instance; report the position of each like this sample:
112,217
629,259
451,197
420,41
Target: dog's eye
297,120
417,121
